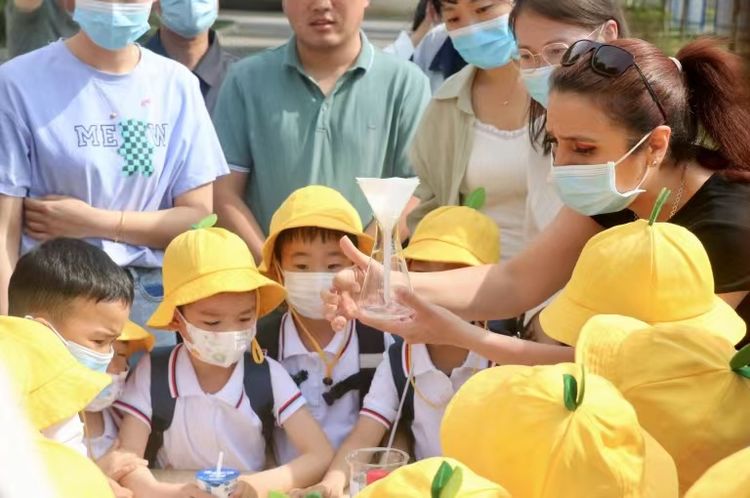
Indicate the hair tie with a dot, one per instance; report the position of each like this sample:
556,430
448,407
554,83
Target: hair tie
676,63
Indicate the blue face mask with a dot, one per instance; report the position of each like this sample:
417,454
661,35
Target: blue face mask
591,189
98,362
538,81
189,18
487,45
112,26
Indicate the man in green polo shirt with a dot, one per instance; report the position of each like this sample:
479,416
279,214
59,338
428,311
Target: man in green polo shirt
324,108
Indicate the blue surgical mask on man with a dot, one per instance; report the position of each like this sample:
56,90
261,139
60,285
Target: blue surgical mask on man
487,45
112,25
591,189
188,18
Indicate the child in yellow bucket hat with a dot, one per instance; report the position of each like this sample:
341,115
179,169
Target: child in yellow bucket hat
555,432
209,395
333,370
690,387
102,421
655,272
53,388
437,477
727,479
447,238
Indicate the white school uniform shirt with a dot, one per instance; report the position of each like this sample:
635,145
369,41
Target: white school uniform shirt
69,432
381,403
100,445
206,424
337,420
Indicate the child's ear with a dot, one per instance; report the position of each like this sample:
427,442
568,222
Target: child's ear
178,325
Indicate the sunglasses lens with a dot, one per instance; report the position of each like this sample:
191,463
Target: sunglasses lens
576,51
611,61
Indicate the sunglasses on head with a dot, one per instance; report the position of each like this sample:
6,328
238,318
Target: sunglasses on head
608,60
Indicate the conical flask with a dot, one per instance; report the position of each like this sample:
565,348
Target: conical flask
387,269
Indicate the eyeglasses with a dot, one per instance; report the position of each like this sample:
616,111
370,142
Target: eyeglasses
608,60
549,56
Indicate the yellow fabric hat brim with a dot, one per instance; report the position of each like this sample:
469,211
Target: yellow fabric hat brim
564,318
598,346
71,474
138,338
270,294
415,481
727,479
438,251
660,473
364,241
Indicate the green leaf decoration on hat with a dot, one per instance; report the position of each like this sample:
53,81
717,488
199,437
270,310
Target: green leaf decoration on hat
660,201
207,222
277,494
476,199
573,390
453,486
444,473
740,362
314,494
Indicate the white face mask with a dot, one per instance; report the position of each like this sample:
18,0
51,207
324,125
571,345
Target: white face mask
110,394
222,349
303,292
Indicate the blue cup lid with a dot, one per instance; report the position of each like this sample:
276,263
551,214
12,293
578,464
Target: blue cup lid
212,478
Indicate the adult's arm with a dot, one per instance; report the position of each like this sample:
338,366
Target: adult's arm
508,289
234,214
54,216
11,213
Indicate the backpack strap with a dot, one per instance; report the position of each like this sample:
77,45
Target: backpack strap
371,349
259,390
395,355
162,402
269,332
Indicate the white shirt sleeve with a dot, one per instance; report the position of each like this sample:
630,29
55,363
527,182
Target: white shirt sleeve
381,402
136,397
287,398
402,47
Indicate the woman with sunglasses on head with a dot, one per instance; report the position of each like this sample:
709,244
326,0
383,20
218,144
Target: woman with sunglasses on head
625,121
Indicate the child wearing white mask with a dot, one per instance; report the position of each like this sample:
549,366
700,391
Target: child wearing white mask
333,370
102,422
216,392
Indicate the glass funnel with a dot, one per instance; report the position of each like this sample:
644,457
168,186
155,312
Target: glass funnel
387,269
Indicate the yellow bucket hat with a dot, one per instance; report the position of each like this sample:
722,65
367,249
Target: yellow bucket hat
418,480
71,474
656,273
727,479
690,387
138,338
314,206
203,262
553,432
455,234
52,384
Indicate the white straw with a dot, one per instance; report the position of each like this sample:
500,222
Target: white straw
387,263
220,463
400,409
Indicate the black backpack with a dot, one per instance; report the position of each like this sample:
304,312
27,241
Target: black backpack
258,389
371,349
400,378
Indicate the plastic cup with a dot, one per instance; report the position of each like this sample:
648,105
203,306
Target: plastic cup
221,484
368,465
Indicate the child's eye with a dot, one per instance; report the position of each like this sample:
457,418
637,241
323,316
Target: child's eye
212,324
486,8
301,267
247,319
335,267
581,149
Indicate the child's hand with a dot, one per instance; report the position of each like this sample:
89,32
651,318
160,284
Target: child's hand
244,490
189,491
328,488
116,464
119,491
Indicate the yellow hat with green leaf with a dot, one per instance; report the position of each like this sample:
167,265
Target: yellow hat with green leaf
435,478
689,386
554,432
654,272
727,479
